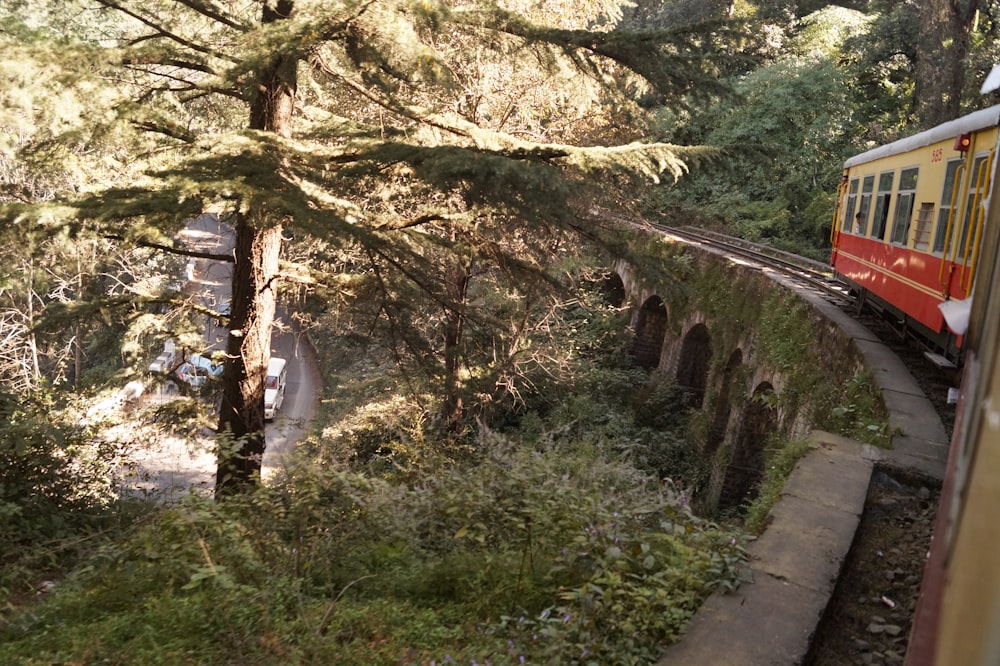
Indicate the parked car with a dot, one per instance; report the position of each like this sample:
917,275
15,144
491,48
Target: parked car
274,386
199,369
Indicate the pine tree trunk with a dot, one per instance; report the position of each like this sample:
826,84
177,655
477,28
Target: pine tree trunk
248,349
77,344
36,372
458,288
255,270
942,51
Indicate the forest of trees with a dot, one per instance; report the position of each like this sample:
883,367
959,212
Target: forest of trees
434,187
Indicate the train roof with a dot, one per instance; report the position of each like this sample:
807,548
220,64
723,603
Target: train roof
976,120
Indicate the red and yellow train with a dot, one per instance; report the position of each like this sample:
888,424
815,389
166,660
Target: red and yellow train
908,227
917,231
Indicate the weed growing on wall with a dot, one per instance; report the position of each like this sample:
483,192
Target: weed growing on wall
858,412
733,306
785,332
779,462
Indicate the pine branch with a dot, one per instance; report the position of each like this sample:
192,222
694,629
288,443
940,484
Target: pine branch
170,249
392,104
160,31
336,30
672,61
56,314
173,131
422,284
415,222
196,90
215,13
649,160
148,59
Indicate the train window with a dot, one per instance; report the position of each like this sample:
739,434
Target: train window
867,185
904,205
947,196
852,201
882,204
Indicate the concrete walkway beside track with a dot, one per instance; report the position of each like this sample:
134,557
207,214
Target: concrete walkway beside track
794,565
921,445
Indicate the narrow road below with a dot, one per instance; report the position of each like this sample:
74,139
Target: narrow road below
301,395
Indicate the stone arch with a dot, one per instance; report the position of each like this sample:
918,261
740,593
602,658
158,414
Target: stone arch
723,404
613,289
650,327
746,467
692,367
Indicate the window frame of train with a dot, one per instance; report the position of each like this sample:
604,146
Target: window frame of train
852,202
867,186
886,179
906,195
948,192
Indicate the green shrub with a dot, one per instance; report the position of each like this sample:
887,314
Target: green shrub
858,413
56,489
778,465
336,567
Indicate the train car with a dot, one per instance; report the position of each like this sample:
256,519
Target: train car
957,619
908,225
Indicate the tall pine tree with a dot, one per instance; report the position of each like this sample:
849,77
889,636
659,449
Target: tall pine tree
946,30
389,125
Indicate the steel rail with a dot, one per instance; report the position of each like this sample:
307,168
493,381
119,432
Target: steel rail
812,273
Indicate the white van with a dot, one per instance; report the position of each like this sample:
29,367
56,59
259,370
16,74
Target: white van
274,387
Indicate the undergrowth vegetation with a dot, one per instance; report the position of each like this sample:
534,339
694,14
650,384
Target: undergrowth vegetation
561,533
57,493
530,553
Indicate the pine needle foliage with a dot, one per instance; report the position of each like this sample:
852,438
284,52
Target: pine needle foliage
394,128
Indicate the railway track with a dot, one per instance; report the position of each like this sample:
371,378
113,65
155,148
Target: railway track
812,274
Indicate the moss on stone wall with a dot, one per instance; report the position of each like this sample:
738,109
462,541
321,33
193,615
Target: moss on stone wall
815,363
818,372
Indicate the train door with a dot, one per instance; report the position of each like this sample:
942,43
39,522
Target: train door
962,246
950,201
843,213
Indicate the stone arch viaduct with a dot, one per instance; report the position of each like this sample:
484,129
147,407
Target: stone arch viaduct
759,357
755,356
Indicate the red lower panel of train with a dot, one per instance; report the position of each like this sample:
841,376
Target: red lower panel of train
910,281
